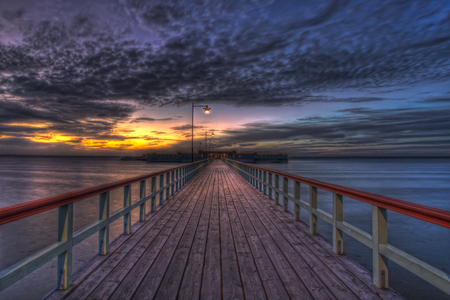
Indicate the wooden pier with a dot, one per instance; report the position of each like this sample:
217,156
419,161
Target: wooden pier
219,238
220,231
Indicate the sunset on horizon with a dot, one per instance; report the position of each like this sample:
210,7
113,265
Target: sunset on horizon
318,78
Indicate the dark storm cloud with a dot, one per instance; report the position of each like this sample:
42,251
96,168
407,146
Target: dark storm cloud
144,119
240,53
186,127
353,128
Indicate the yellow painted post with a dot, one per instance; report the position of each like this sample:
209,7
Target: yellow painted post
277,187
312,205
127,203
142,194
379,236
103,214
297,197
65,234
153,189
338,216
286,192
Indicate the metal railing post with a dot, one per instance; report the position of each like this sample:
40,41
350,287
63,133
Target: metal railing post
297,197
127,203
167,185
312,205
338,216
103,214
65,234
142,194
379,236
286,192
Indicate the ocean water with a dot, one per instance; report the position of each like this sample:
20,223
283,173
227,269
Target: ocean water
420,180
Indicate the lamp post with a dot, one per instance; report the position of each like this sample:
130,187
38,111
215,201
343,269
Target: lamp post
206,110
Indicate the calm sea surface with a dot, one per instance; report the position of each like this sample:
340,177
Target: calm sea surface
419,180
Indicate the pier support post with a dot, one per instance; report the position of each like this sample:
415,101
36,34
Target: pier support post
127,203
277,188
270,186
260,177
297,197
172,188
379,236
312,206
338,216
103,214
153,189
142,194
286,192
65,234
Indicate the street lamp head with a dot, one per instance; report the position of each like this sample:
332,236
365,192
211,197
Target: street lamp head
212,134
207,109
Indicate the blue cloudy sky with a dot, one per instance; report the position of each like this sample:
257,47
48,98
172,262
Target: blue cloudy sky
313,78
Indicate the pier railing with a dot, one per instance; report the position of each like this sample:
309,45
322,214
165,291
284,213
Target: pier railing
170,181
267,182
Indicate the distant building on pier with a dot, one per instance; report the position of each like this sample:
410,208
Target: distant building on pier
249,157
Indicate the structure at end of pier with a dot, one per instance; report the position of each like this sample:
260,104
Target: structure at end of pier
248,157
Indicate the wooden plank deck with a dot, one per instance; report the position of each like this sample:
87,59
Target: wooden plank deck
218,237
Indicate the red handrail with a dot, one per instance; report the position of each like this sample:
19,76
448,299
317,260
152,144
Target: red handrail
432,215
19,211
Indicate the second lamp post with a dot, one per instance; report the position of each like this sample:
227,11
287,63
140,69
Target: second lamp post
207,110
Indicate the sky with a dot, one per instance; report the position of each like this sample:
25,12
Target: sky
307,78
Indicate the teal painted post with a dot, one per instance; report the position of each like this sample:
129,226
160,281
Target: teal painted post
153,189
270,186
127,203
168,185
277,187
103,214
297,197
260,183
161,185
142,194
65,234
285,192
172,187
338,216
312,205
265,182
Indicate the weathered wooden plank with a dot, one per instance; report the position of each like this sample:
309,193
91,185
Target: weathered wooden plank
212,279
253,287
313,272
364,290
86,287
172,279
192,278
294,286
272,283
144,284
231,281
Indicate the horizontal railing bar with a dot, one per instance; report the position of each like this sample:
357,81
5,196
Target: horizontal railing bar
323,215
356,233
87,231
19,211
429,214
433,275
19,270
